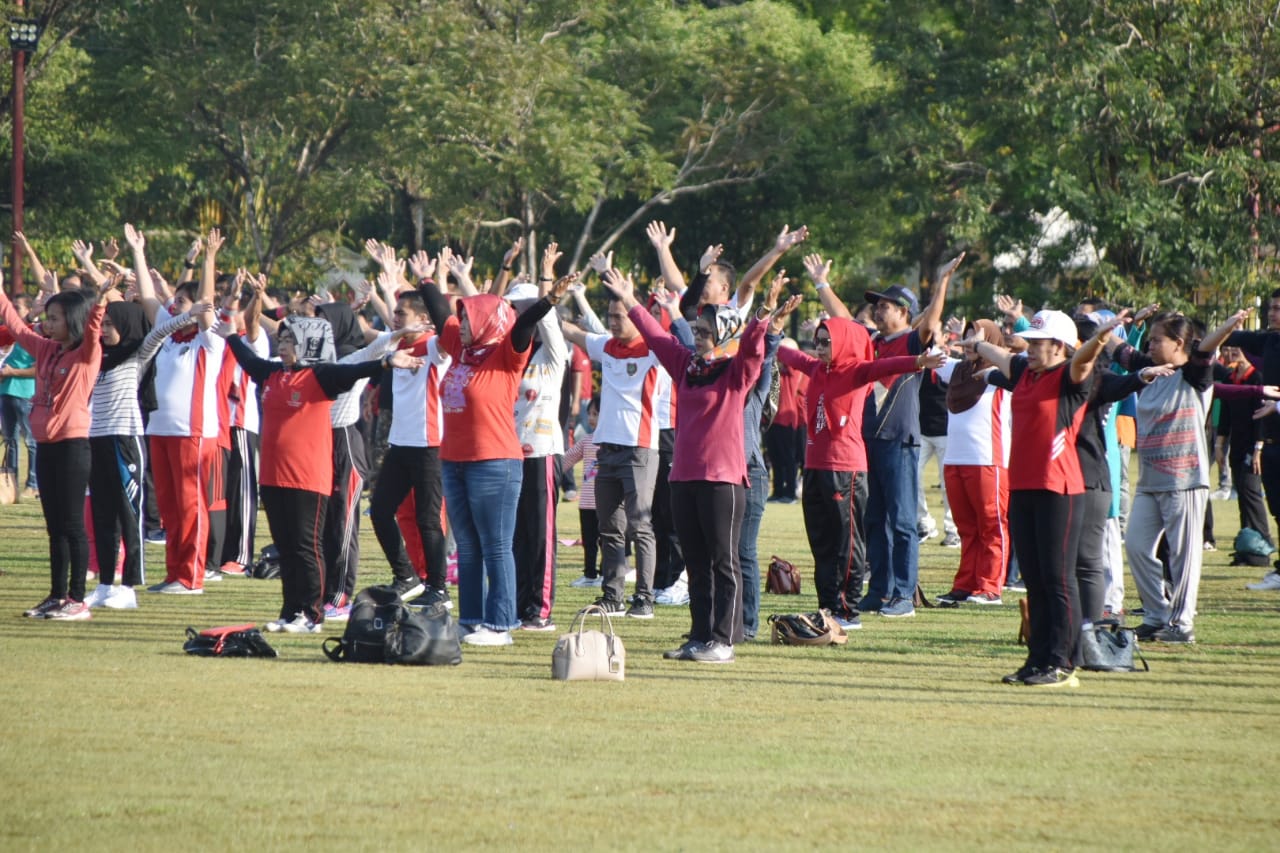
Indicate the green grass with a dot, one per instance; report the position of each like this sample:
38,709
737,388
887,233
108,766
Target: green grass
903,739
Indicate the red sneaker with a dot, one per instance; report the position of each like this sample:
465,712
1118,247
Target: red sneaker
71,611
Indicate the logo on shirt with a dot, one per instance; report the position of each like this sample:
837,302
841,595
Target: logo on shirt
631,368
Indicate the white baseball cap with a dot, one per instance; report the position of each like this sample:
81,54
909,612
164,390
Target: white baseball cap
1054,325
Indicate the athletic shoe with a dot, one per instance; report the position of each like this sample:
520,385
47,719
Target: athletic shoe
212,575
30,494
1016,586
676,595
277,626
234,569
155,537
44,608
174,588
70,611
1024,672
712,652
1052,676
640,609
1220,495
1209,546
1170,634
1147,632
408,587
898,609
99,596
585,581
337,614
871,604
1271,580
483,636
926,533
951,540
788,500
432,597
952,599
985,598
300,624
611,606
848,621
537,623
685,652
121,598
571,495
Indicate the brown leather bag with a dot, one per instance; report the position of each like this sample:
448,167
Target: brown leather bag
1024,629
8,488
783,577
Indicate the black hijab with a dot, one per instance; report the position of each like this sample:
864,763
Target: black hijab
131,322
347,337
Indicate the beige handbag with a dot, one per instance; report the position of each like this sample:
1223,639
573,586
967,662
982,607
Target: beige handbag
582,655
8,488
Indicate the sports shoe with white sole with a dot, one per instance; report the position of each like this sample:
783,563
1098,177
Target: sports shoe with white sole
951,540
276,626
676,595
99,596
174,588
408,588
121,598
585,581
70,611
43,608
1270,581
1052,676
300,624
483,636
712,652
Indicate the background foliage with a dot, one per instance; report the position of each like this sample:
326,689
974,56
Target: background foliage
900,133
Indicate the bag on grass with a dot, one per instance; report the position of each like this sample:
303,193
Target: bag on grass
807,629
1110,647
426,637
589,655
373,613
1251,549
783,578
267,566
8,488
229,641
1024,626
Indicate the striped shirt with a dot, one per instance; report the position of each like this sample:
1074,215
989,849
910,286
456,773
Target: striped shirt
346,409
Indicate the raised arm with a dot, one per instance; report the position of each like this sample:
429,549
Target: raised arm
209,271
662,240
84,254
786,240
1082,362
819,271
33,260
146,287
1215,338
508,266
997,355
931,317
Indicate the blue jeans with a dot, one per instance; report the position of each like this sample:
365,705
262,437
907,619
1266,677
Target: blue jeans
747,558
481,501
15,416
893,546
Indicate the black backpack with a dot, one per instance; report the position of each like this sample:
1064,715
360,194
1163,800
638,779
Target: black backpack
373,613
267,566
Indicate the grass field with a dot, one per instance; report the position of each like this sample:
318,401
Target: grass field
901,740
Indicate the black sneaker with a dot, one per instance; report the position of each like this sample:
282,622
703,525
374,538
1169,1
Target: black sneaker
1020,676
430,598
712,652
611,605
685,652
1147,632
640,609
952,599
408,587
1173,634
537,623
1052,676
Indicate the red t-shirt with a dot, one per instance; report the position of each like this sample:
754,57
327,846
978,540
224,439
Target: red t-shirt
792,385
581,365
479,401
297,439
1047,410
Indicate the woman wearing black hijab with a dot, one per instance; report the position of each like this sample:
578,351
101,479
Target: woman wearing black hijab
117,466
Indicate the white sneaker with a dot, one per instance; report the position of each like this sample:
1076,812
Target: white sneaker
1271,580
99,596
277,626
676,595
1220,495
300,624
483,636
586,581
121,598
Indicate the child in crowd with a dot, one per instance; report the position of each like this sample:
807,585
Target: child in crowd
584,451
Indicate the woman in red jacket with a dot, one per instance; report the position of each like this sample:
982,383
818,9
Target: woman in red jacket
67,364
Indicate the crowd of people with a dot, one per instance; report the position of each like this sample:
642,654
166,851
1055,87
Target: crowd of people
167,414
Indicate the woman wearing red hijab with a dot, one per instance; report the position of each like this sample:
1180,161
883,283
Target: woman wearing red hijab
481,457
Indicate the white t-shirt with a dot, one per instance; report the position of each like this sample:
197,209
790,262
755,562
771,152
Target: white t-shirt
981,434
632,384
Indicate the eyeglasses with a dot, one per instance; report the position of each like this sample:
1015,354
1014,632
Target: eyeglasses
822,342
702,332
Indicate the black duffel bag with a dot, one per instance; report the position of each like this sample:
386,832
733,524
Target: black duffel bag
373,613
426,637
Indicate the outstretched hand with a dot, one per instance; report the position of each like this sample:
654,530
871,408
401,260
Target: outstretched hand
622,287
817,268
777,319
788,239
710,256
659,235
421,265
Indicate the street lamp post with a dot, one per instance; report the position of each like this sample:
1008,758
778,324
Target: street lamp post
24,35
